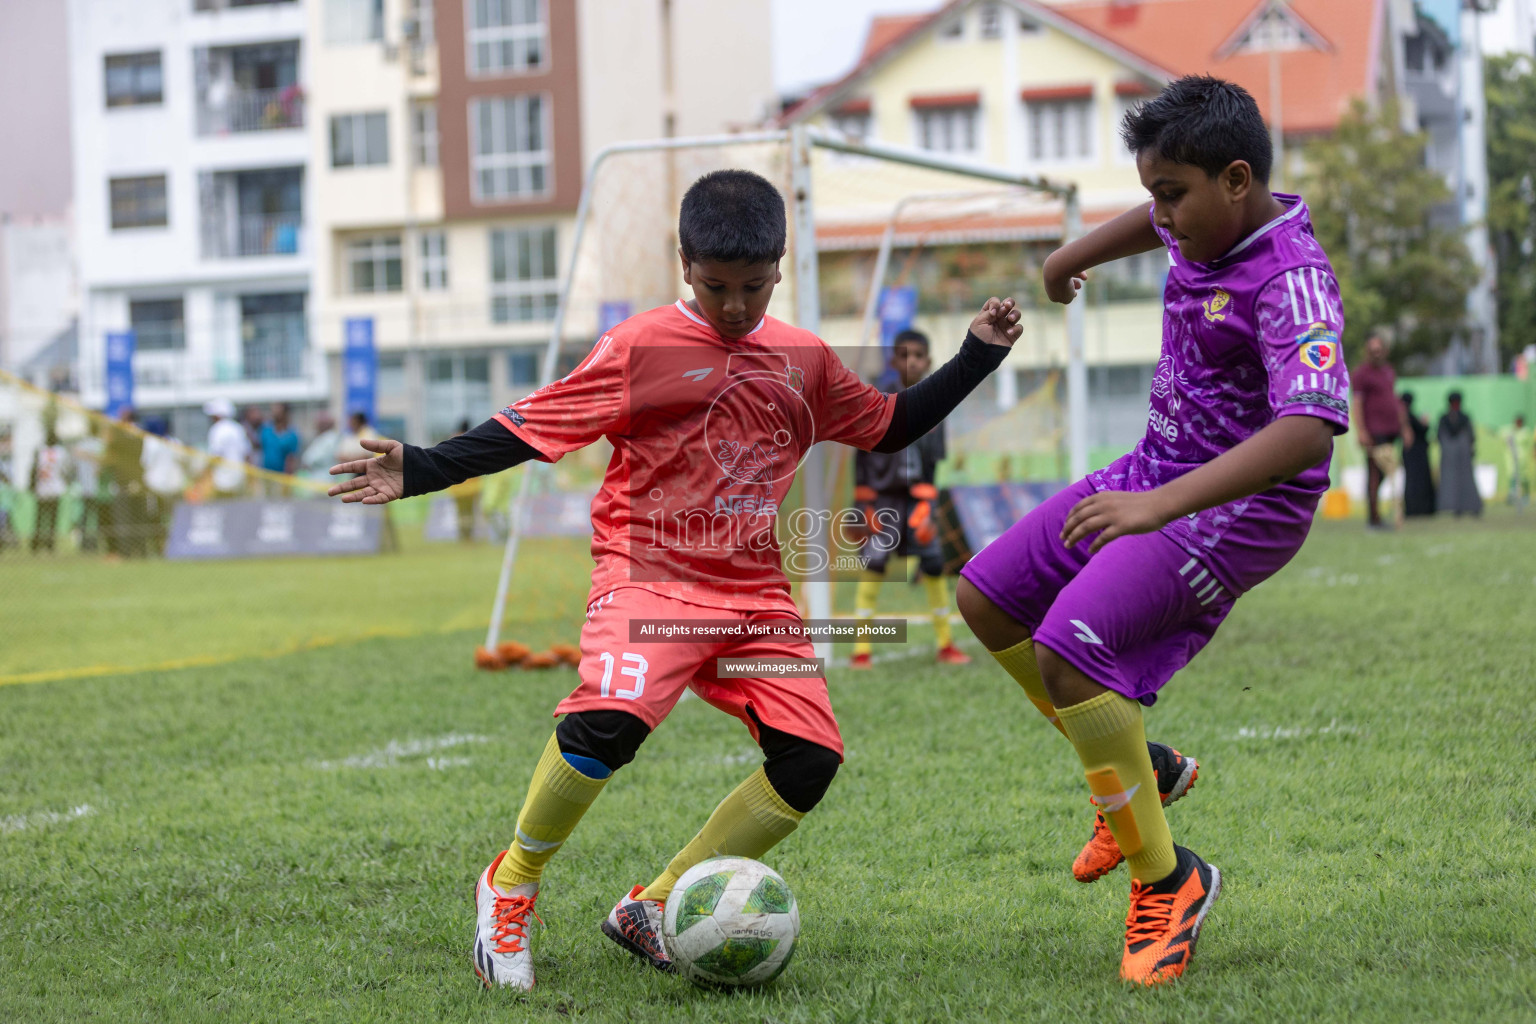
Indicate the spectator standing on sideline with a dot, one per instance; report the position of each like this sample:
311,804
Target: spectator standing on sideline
87,457
165,478
1418,481
227,442
252,423
358,430
50,482
124,519
279,446
1458,444
320,454
1379,420
464,495
1517,444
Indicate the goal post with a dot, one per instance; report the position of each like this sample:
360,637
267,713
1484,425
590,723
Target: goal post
622,261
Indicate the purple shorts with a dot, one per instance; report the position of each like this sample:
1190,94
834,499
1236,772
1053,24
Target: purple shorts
1128,617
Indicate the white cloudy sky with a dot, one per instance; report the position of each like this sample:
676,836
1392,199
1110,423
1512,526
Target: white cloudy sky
814,41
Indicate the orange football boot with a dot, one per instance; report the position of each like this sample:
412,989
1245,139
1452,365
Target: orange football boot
1176,775
1165,918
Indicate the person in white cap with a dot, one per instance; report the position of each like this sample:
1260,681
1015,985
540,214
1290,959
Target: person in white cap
228,443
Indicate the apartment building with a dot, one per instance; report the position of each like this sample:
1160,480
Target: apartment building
191,159
450,142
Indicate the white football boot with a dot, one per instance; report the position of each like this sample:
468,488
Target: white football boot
501,954
635,924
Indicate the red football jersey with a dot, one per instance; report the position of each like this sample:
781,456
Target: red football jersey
707,436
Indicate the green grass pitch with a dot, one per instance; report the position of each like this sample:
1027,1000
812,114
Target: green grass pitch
296,838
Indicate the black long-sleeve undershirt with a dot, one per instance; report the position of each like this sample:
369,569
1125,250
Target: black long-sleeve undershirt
491,447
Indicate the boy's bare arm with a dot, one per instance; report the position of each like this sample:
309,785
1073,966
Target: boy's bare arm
1129,234
1287,447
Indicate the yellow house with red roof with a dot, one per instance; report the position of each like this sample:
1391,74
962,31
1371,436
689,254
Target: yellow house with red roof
1039,88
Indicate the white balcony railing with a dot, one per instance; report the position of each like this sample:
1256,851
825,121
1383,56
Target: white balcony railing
250,110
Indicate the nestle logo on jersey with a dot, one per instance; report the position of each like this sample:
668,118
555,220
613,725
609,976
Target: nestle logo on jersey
751,504
1163,426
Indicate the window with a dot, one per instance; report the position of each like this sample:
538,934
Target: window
1060,131
373,264
523,367
458,389
525,284
510,147
953,30
391,378
505,36
359,140
421,22
354,21
273,336
138,202
1123,106
947,129
991,21
133,79
853,124
434,261
158,325
424,134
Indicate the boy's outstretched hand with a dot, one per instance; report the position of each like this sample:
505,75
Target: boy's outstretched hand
377,480
998,322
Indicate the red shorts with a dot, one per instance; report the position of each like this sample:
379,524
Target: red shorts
647,679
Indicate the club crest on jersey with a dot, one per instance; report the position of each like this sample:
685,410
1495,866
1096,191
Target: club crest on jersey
744,465
796,378
1319,347
1214,305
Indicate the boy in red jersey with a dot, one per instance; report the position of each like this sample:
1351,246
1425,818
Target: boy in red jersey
710,405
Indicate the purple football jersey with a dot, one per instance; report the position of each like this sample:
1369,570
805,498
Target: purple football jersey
1247,338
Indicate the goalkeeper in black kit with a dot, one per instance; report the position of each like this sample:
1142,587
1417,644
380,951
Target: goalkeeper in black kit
897,495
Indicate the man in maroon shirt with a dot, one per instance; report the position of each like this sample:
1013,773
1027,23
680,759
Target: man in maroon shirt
1379,419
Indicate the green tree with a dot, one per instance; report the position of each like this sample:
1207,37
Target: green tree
1371,198
1511,92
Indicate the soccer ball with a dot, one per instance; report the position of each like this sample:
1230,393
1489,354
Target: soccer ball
730,921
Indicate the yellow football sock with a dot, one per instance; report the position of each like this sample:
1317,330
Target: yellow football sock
557,798
1019,662
1108,734
748,823
864,604
938,605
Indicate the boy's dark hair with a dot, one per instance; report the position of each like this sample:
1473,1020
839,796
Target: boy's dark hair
732,217
914,337
1202,121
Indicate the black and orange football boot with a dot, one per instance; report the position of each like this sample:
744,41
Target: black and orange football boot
1165,920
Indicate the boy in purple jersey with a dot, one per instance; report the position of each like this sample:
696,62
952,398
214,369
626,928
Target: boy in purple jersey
1249,392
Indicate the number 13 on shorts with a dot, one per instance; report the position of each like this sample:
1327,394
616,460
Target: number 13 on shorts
636,671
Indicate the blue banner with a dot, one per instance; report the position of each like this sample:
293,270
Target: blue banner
897,308
360,368
611,314
120,346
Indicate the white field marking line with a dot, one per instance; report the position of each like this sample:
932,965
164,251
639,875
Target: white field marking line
1281,732
396,750
37,819
1328,578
